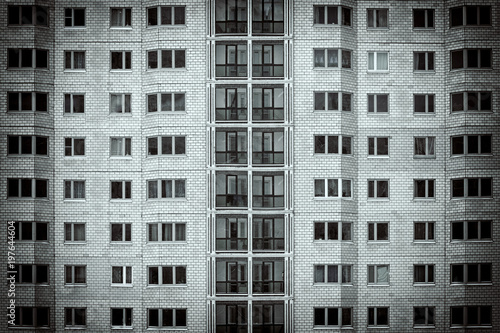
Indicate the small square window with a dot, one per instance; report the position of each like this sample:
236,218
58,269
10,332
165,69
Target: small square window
121,17
120,103
74,103
74,17
74,189
74,232
75,318
378,103
423,316
121,275
423,274
74,60
121,60
423,61
423,103
74,147
378,316
378,18
423,188
423,18
378,61
423,232
378,189
121,318
121,189
378,231
378,146
121,232
424,147
121,147
75,275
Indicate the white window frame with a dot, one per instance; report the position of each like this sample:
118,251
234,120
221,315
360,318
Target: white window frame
465,101
33,59
465,310
33,318
375,232
428,109
72,17
375,58
125,99
466,188
340,227
72,283
375,194
34,139
124,61
375,104
428,140
71,147
34,225
159,64
172,99
339,58
158,17
465,144
466,274
34,106
375,12
126,312
122,16
159,145
427,228
427,54
340,141
124,227
159,232
160,276
160,319
374,140
73,325
124,184
429,279
71,107
72,197
340,101
159,189
426,11
375,316
428,323
428,185
340,317
34,275
467,225
71,226
72,67
125,142
463,9
33,182
35,15
126,271
465,59
340,188
340,15
340,274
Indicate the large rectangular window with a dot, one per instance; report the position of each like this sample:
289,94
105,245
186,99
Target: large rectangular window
166,102
29,231
231,317
268,191
332,58
268,234
27,188
267,60
471,101
166,232
268,317
231,17
332,101
336,231
231,276
231,190
378,103
470,16
378,61
332,144
27,101
166,15
231,233
470,316
121,17
27,145
231,147
332,188
471,187
166,188
268,147
158,59
423,103
27,58
377,18
121,189
166,275
231,104
230,60
333,274
268,276
268,104
167,318
268,17
378,189
31,274
423,18
32,317
471,145
74,17
332,317
471,58
28,15
74,60
333,15
471,273
167,145
471,231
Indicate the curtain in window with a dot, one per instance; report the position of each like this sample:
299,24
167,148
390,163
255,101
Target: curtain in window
333,188
382,274
79,190
382,189
116,17
116,147
382,61
371,61
430,145
180,189
180,232
166,232
153,232
333,273
333,58
79,60
419,146
117,274
319,58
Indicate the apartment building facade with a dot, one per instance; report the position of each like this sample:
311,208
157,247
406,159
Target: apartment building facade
263,166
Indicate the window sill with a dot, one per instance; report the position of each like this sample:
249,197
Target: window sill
25,241
73,114
470,155
167,155
117,285
372,285
424,157
331,284
75,285
120,28
74,28
418,327
27,69
119,70
471,198
166,286
378,327
320,199
471,241
121,158
423,284
165,199
20,284
27,111
168,26
26,199
418,114
377,72
379,199
378,156
120,114
385,242
472,112
74,200
127,243
122,327
75,71
327,69
69,158
329,241
421,29
329,25
471,284
155,70
331,111
472,326
75,243
153,243
26,156
75,327
378,114
455,70
424,199
165,329
424,72
423,242
166,113
119,200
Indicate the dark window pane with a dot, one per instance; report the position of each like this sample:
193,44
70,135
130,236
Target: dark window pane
179,13
456,16
457,59
152,16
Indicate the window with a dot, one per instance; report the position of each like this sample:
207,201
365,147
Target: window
423,232
28,15
121,318
121,275
268,104
423,274
470,273
424,146
170,145
268,17
74,189
121,60
231,16
121,147
74,232
471,101
471,231
471,187
75,275
423,18
120,103
423,188
329,58
378,274
331,188
470,144
231,104
74,60
27,101
231,317
332,15
268,317
378,18
470,16
268,276
378,231
27,145
231,276
230,60
332,231
378,189
121,17
330,274
231,190
471,58
74,103
232,234
423,61
231,147
166,15
332,144
31,231
378,146
470,316
27,188
378,103
121,189
121,232
27,58
378,61
160,275
168,102
423,316
378,316
74,147
167,318
423,103
339,317
75,317
332,101
268,191
74,17
166,232
31,274
166,188
166,59
268,234
267,60
32,317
